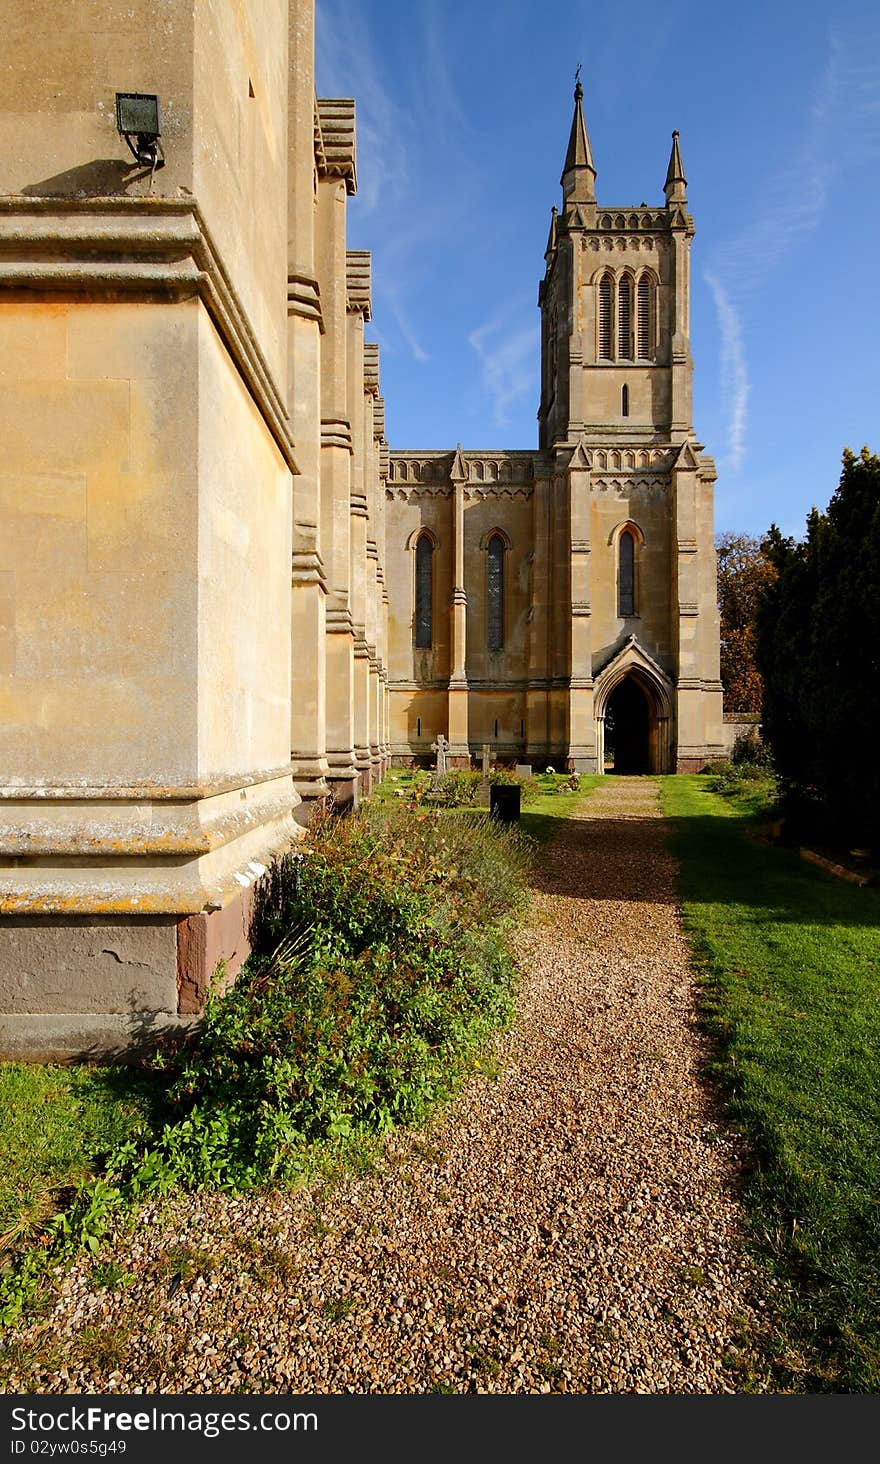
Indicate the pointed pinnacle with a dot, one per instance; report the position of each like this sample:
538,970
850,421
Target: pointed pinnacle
579,157
675,171
551,237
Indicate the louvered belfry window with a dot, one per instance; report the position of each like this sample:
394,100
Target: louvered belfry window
424,576
626,575
644,319
606,318
495,592
624,318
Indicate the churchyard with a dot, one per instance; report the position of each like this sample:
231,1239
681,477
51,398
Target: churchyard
779,1092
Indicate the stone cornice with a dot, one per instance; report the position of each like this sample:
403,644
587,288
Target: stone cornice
486,470
307,568
145,246
339,620
335,149
304,298
145,790
336,432
358,282
371,367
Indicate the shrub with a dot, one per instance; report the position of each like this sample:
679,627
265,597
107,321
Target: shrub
742,780
749,749
389,968
459,787
718,766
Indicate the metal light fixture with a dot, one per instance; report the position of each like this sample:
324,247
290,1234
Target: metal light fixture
137,118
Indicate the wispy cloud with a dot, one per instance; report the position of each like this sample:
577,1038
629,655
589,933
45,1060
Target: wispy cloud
841,129
403,97
355,69
507,351
391,298
734,375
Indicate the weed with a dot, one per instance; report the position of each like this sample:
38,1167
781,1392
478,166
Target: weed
103,1347
338,1308
108,1275
187,1264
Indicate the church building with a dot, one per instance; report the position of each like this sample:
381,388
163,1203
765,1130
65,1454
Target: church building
225,602
560,604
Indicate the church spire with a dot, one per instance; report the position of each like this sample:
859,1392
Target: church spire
675,186
578,174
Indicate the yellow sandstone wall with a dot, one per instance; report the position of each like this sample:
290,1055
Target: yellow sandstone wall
145,494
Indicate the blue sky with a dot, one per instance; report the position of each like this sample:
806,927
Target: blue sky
463,115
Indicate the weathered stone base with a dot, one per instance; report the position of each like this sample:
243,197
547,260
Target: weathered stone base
81,986
86,1036
345,789
311,807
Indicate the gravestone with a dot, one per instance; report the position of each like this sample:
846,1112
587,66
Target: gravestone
441,747
483,791
523,770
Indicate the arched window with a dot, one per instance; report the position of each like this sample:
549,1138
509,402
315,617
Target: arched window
626,574
643,322
606,318
624,400
624,318
424,592
495,592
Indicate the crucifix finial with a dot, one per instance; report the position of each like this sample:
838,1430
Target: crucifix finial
578,89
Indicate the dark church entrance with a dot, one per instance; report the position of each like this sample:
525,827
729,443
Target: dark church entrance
627,725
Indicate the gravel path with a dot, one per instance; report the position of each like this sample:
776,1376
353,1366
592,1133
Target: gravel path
570,1224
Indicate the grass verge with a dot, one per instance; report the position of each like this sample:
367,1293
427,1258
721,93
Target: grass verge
790,961
59,1124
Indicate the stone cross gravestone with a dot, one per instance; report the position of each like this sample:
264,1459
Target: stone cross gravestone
441,747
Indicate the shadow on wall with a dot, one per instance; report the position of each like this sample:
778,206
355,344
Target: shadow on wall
98,179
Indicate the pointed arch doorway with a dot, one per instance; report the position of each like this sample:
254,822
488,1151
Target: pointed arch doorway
633,700
627,728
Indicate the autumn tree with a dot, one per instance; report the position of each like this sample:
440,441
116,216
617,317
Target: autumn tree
744,571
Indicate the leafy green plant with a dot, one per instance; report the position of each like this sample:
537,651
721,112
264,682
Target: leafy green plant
379,970
459,786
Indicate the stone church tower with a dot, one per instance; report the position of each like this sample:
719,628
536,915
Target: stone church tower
560,604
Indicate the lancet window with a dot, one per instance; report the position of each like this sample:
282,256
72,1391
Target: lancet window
625,318
424,593
495,592
626,574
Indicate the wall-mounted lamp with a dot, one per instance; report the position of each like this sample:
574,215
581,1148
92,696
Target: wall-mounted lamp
137,118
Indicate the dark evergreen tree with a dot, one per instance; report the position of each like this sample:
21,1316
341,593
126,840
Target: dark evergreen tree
818,650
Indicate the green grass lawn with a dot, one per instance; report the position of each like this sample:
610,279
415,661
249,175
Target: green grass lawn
539,818
57,1122
791,968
